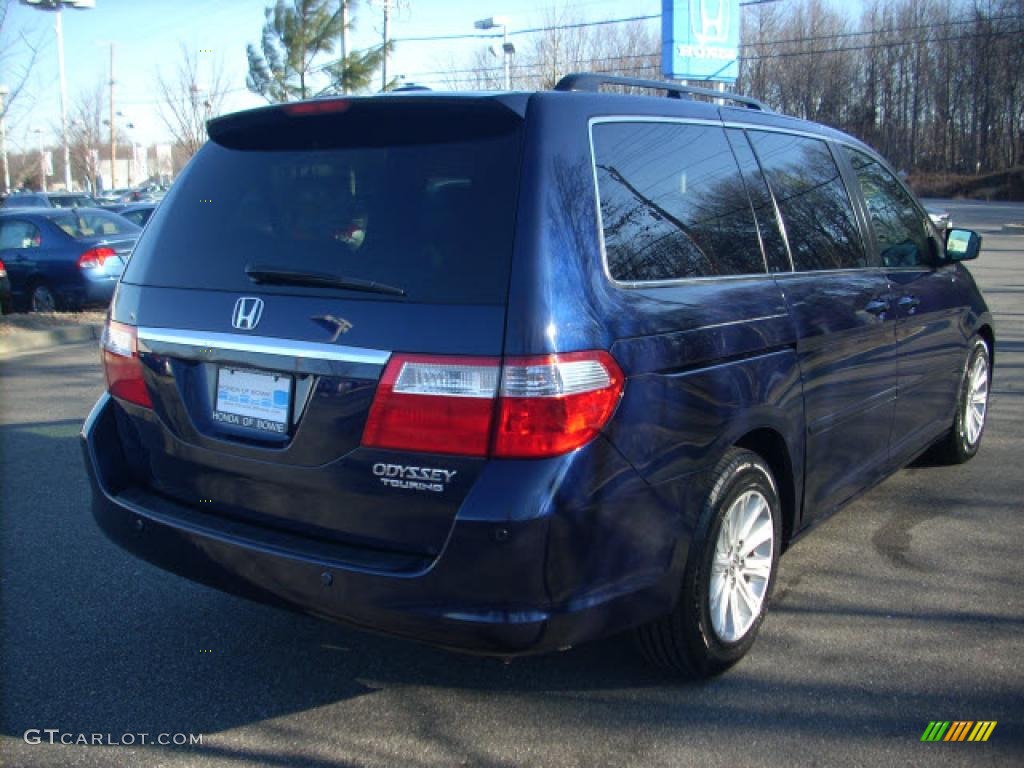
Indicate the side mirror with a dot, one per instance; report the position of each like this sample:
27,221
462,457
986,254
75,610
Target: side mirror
962,244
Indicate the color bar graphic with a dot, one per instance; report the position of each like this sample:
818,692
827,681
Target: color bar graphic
958,730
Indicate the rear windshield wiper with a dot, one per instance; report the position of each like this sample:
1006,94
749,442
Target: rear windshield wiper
284,276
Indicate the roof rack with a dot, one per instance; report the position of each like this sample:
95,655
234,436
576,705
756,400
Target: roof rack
589,81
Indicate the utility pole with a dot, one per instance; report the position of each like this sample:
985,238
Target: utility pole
57,6
113,129
59,28
3,138
507,48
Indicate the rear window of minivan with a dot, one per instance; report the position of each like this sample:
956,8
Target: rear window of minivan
423,203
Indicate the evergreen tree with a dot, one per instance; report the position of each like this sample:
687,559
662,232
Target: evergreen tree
294,35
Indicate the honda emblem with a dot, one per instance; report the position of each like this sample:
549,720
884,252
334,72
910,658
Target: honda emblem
248,311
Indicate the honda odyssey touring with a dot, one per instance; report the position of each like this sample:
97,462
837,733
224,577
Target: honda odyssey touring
508,372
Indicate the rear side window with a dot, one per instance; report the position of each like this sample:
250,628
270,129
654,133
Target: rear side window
813,201
18,234
897,221
410,203
673,203
82,224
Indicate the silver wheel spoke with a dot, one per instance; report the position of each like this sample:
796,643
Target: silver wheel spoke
749,599
751,509
734,612
758,567
718,603
760,535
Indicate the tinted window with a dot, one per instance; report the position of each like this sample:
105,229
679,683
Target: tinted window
82,223
813,201
71,201
897,221
18,234
435,218
761,201
673,204
138,217
28,201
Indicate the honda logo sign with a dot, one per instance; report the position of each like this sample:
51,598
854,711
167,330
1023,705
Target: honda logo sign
247,314
700,39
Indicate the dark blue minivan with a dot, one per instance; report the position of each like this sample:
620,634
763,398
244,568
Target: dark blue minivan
508,372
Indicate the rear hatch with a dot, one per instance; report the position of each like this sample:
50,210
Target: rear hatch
303,247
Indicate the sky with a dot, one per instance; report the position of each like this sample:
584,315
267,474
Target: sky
148,35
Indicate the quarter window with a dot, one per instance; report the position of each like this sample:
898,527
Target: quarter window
673,204
18,234
898,223
813,201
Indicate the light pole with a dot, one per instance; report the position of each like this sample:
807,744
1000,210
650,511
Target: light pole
3,138
507,48
57,5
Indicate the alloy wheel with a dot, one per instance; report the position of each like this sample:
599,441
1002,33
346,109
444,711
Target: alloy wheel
742,566
976,403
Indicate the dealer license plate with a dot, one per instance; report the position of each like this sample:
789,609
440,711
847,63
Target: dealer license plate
252,400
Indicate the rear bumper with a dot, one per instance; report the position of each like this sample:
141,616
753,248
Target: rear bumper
88,291
500,586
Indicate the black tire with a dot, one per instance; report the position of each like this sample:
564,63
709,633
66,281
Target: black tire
956,447
41,298
685,642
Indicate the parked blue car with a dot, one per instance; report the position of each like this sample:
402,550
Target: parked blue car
509,372
64,258
138,213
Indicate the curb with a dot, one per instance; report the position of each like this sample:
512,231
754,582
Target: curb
24,341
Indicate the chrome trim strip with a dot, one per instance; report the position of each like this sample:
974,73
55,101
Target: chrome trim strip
743,321
778,129
264,345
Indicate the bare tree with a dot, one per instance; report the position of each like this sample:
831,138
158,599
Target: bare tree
18,53
85,132
936,85
565,44
189,96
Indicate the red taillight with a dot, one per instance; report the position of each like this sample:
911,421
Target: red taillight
434,404
122,365
326,106
547,405
553,404
3,269
95,257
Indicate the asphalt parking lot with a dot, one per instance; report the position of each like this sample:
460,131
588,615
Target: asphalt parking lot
906,607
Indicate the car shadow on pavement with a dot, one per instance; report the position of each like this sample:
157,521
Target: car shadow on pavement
95,641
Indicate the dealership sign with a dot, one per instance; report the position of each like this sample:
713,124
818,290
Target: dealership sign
700,39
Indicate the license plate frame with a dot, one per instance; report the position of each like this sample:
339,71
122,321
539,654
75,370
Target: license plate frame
257,402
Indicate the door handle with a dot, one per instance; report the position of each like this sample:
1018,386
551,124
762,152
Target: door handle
877,306
909,303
